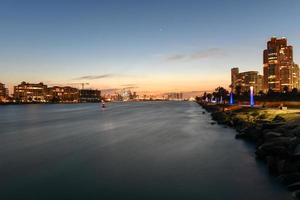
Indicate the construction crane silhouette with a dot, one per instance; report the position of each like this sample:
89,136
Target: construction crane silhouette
71,84
81,84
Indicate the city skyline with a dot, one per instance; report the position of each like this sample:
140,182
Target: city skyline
153,46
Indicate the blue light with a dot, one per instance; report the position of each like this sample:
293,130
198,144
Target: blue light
251,97
231,102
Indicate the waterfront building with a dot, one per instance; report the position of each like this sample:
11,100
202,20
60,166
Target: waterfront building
3,93
65,94
242,81
30,92
280,71
175,96
89,95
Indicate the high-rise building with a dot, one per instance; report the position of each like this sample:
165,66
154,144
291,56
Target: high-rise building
295,78
280,71
244,80
30,92
3,92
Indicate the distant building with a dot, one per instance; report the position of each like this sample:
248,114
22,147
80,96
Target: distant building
280,71
89,95
175,96
62,94
3,93
30,92
244,80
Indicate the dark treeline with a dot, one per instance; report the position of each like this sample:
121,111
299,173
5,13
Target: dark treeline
222,94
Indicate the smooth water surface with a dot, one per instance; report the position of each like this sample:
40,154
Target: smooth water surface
149,150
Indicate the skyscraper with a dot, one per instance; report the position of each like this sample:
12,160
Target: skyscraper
280,71
295,76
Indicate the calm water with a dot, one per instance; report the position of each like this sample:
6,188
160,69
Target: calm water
151,150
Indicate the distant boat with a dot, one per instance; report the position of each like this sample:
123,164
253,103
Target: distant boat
103,104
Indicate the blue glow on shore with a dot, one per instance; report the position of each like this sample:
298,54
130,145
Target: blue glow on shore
251,97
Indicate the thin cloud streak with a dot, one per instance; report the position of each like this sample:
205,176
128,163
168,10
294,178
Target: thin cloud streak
94,77
128,85
212,52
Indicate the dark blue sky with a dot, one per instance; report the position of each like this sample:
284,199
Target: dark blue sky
182,45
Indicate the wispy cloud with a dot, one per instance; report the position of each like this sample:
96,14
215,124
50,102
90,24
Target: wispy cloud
129,85
176,57
110,90
94,77
198,55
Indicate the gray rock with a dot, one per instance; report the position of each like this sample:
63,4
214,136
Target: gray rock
297,151
294,186
272,125
289,178
295,131
271,135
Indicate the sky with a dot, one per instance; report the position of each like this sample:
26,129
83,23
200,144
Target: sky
150,46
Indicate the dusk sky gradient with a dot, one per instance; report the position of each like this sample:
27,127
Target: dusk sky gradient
166,45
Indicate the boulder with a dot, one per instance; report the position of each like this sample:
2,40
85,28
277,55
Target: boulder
274,147
278,118
272,125
271,135
296,153
289,178
294,186
295,131
296,194
250,132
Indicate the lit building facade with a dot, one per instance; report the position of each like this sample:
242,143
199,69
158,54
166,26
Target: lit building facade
244,80
234,76
62,94
30,92
295,76
280,71
3,93
89,95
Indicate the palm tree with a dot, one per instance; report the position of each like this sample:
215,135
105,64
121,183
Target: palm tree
221,92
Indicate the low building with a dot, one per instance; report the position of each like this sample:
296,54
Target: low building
30,92
175,96
89,95
62,94
242,81
3,93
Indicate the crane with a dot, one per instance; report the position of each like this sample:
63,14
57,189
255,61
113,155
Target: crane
81,84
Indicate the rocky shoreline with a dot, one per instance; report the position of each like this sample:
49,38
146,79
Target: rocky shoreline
277,138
